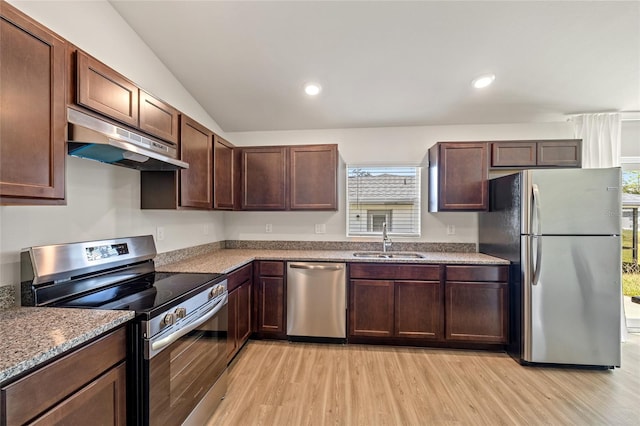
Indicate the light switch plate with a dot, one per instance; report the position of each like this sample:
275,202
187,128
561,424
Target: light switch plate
160,233
268,228
321,228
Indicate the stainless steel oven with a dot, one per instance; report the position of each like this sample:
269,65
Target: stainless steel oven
177,343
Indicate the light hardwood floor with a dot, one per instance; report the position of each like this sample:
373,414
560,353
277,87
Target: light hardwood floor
281,383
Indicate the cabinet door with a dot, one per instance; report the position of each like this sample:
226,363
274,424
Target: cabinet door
223,179
463,174
196,149
232,329
476,311
105,91
513,154
371,308
264,178
271,305
101,402
32,111
313,173
418,310
244,312
560,153
157,118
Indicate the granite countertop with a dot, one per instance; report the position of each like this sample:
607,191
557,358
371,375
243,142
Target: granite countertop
31,336
226,260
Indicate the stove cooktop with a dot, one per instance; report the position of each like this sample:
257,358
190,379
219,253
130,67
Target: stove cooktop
148,295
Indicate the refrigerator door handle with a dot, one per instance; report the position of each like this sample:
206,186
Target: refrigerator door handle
536,237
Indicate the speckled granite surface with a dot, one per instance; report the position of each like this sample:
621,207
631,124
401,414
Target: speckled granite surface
7,297
226,260
181,254
31,336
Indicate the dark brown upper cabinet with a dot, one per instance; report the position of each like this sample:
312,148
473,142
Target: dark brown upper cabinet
298,177
103,90
264,178
458,173
531,154
313,171
196,144
32,111
158,118
223,174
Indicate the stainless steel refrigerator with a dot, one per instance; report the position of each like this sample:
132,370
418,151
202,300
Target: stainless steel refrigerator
561,231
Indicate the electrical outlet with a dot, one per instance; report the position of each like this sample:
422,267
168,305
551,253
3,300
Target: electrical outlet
205,229
451,230
321,228
268,228
160,233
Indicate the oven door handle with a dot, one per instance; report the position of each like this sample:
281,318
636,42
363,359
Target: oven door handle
166,341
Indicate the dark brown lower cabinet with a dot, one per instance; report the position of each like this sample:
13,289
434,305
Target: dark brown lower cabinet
404,301
87,386
270,297
239,318
418,313
476,304
371,308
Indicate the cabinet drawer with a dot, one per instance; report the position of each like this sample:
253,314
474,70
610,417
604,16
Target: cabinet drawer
271,268
239,276
47,386
395,271
477,273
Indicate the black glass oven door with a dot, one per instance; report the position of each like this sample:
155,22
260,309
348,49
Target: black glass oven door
183,372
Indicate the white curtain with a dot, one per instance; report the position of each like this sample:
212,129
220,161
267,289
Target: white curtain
601,147
600,134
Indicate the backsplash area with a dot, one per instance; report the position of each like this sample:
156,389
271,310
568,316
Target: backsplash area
7,297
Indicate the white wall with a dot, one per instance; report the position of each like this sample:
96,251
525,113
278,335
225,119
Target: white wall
103,200
379,146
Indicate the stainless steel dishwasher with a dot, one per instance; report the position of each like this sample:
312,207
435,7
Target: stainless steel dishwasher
316,300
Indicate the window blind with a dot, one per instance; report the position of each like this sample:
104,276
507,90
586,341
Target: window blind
383,194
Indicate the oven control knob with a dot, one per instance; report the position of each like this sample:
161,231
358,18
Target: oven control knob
181,312
168,319
215,291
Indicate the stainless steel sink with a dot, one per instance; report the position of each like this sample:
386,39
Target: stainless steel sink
388,255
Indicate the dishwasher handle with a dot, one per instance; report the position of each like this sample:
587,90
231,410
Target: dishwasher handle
318,267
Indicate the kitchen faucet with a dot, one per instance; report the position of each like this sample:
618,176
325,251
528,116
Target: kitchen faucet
386,241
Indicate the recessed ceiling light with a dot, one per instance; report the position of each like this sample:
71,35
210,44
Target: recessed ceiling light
483,81
312,89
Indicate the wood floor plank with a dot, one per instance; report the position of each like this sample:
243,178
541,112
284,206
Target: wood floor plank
282,383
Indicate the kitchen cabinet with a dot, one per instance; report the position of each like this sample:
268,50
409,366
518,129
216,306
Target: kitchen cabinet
313,171
240,286
105,91
196,148
297,177
458,173
192,188
264,178
270,296
476,303
223,174
32,111
87,384
532,154
395,301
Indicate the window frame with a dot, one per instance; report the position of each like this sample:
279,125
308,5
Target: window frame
388,207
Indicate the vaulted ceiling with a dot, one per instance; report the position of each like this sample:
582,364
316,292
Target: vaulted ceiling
395,63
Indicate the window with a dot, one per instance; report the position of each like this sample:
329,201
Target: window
377,195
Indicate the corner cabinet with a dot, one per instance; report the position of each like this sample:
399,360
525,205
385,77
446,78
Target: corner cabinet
458,173
85,385
395,301
532,154
477,303
296,177
32,111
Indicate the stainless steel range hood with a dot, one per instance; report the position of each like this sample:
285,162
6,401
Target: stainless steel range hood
95,139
